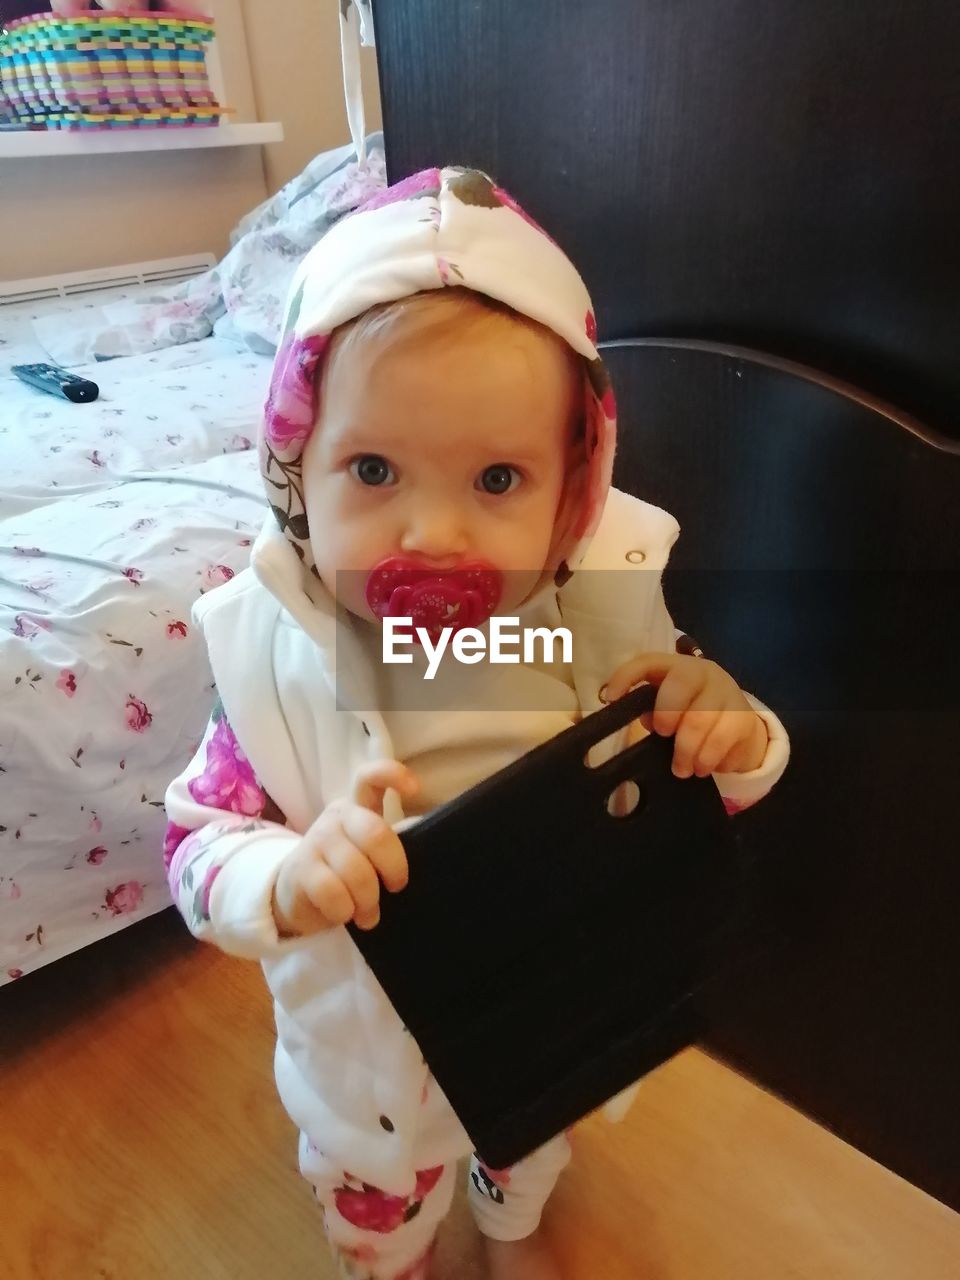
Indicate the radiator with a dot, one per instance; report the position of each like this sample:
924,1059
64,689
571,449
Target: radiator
162,271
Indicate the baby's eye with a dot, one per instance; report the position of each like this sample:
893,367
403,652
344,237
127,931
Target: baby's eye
499,478
371,469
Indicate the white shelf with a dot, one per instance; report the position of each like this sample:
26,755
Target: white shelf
57,142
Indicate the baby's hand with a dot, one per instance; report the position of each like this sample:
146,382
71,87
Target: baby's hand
717,731
334,874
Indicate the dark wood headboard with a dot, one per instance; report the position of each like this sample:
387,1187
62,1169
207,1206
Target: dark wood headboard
764,202
778,175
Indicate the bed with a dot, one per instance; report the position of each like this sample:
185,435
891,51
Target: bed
103,685
114,517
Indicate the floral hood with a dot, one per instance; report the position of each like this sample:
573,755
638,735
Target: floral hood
439,228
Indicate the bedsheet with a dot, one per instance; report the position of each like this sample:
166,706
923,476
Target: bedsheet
169,408
19,343
105,690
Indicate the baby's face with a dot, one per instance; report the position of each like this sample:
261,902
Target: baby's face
442,449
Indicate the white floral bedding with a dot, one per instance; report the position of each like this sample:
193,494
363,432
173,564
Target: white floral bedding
175,407
104,688
104,694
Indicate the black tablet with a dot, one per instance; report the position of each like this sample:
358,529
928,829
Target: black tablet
546,953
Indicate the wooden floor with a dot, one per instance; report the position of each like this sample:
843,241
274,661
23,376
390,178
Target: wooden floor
141,1140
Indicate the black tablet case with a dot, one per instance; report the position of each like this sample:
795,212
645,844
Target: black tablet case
545,954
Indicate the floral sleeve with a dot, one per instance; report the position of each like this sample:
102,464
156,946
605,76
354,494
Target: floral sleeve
224,844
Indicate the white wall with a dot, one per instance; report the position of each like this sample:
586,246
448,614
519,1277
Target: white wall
69,213
281,61
297,78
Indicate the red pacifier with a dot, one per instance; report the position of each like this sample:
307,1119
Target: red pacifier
434,598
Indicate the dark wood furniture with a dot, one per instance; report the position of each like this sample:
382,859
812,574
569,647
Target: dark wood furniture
780,178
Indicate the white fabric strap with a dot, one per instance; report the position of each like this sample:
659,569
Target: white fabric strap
366,23
350,19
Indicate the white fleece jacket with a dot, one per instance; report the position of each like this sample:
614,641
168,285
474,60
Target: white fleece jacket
348,1073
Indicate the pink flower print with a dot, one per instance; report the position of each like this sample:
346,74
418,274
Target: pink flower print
133,575
179,872
735,806
203,900
598,430
96,826
146,523
371,1209
14,974
239,444
97,855
291,404
215,575
507,199
96,459
183,310
374,1210
427,1179
590,324
175,629
124,898
138,717
228,781
500,1177
360,1253
27,626
9,889
67,683
419,1270
427,182
172,840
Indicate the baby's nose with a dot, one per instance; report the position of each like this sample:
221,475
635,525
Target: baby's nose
434,531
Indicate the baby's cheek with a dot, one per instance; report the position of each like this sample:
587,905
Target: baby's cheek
526,554
348,587
517,585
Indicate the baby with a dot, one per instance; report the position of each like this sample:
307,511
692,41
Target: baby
437,444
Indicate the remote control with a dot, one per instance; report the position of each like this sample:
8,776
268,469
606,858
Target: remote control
57,382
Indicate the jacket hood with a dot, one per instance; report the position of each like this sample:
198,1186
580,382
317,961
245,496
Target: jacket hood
436,229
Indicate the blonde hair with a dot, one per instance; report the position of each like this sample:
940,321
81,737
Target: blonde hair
438,313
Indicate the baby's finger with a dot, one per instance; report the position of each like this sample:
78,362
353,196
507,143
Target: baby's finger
695,727
728,731
326,891
651,667
731,761
675,697
373,779
357,874
379,843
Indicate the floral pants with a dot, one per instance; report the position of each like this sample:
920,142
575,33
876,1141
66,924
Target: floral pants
377,1236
